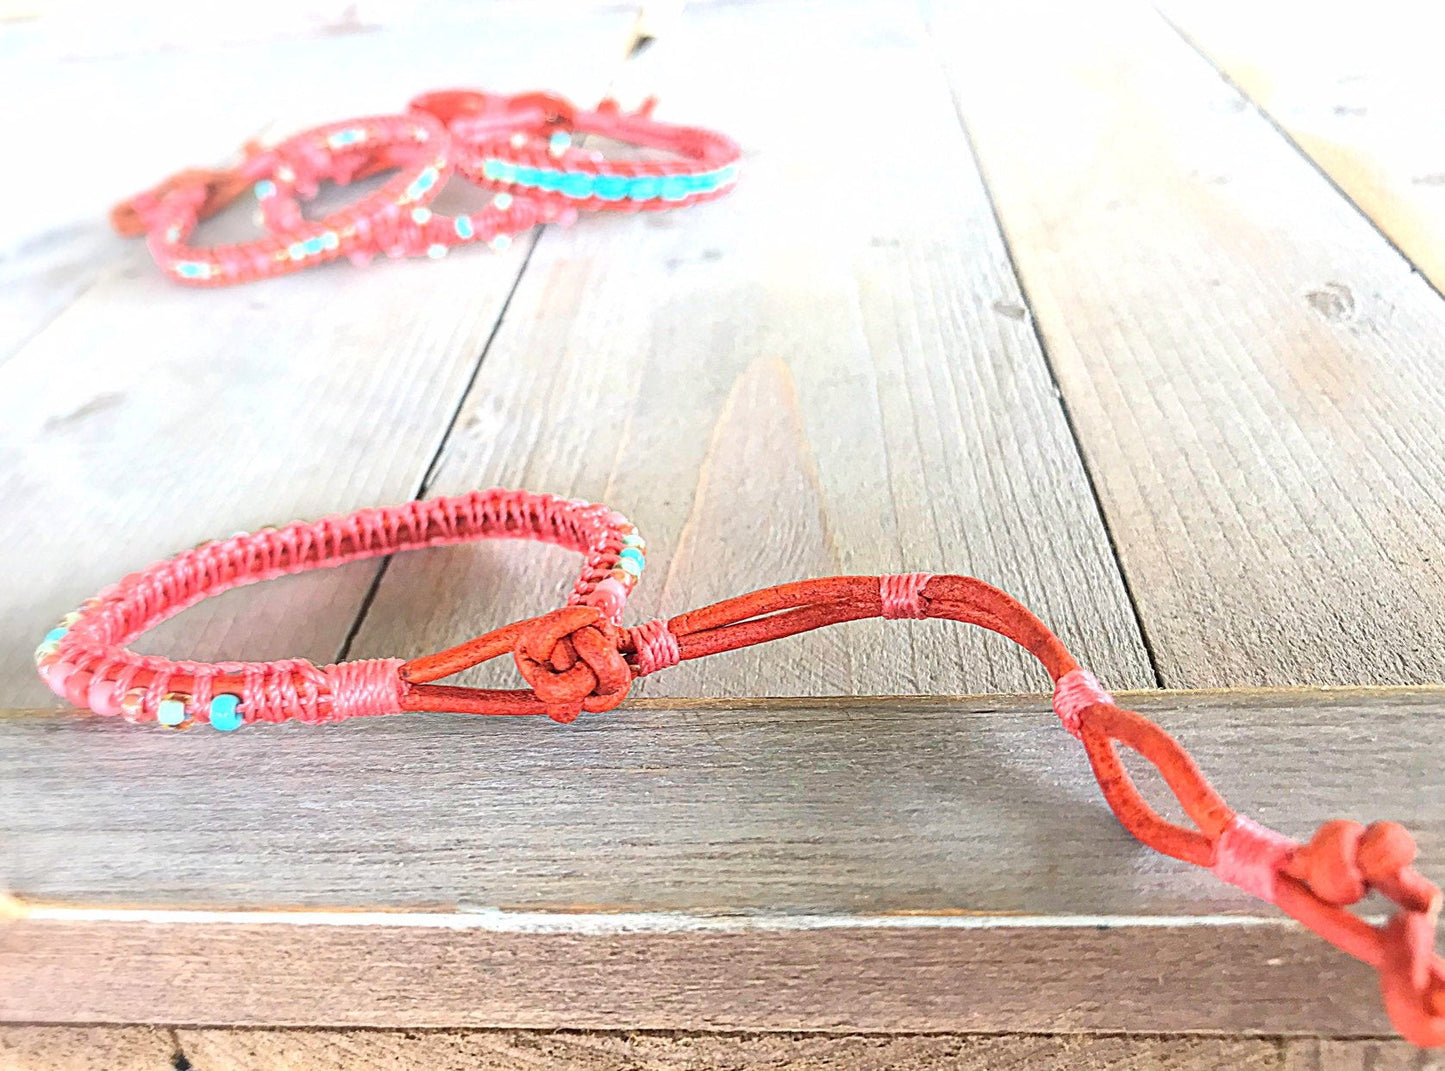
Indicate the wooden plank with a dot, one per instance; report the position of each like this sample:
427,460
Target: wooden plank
1360,96
265,1050
828,808
85,1048
147,417
1255,375
1322,1054
882,865
827,371
875,979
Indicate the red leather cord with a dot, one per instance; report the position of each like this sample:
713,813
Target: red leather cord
575,661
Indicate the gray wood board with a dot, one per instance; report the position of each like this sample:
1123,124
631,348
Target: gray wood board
851,808
1258,979
1254,373
147,417
827,371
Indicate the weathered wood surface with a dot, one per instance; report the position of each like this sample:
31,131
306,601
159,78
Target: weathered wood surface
250,1050
874,978
878,865
1361,96
827,371
51,1048
87,1048
1253,372
147,417
858,807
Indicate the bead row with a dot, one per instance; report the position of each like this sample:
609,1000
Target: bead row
582,185
438,133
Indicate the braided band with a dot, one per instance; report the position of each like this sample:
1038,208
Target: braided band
523,144
85,660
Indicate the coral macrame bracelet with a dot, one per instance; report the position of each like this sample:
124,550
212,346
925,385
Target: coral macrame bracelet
579,658
524,144
518,146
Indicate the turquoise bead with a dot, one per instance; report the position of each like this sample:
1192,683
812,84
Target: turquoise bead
644,188
559,143
631,559
190,269
576,184
634,541
610,187
496,171
171,711
463,226
226,713
264,189
55,635
674,188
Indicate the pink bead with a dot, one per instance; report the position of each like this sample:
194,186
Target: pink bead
609,597
103,698
56,674
77,688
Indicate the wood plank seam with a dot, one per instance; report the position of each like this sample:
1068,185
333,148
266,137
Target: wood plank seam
1268,116
1090,476
420,492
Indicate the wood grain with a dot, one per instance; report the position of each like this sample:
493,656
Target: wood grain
827,371
856,808
147,416
873,979
263,1050
1320,1054
1361,96
85,1048
870,866
1254,373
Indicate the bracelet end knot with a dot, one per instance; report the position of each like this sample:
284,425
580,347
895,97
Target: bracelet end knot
570,657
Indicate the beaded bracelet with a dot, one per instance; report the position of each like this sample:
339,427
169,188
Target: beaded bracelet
340,152
396,219
524,144
579,658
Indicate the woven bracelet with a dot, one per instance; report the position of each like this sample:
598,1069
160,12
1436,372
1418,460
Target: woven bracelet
518,147
579,658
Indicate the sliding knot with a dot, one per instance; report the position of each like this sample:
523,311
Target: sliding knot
1250,855
1074,693
365,689
656,647
902,595
1343,860
201,192
571,660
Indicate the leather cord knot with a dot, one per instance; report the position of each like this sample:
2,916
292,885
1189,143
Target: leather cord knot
200,190
571,660
1344,860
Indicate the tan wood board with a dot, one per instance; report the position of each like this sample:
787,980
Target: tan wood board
1361,96
86,1048
1253,372
59,1048
254,1050
827,371
147,416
